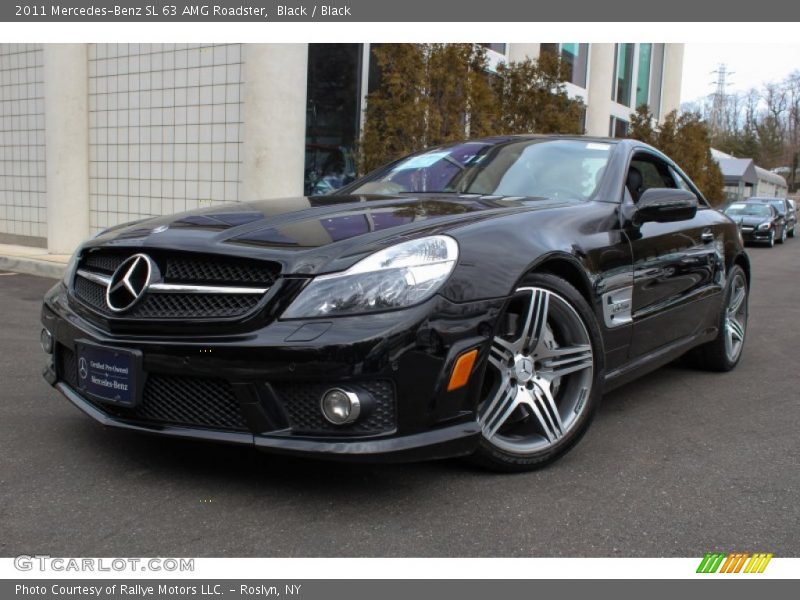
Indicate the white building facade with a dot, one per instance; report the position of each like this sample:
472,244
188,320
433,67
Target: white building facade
92,135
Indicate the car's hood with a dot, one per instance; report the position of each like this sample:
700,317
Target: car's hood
309,235
750,221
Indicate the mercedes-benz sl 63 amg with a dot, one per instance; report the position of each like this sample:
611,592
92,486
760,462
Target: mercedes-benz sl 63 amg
476,298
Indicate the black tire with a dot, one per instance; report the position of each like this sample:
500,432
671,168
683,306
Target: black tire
490,456
791,232
771,242
712,356
782,239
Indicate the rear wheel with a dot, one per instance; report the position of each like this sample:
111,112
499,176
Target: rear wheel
543,380
723,353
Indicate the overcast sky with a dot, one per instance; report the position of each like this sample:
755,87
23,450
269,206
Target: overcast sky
753,64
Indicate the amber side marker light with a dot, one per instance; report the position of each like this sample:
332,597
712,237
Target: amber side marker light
462,370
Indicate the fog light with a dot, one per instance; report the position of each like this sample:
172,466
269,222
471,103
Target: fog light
46,340
340,407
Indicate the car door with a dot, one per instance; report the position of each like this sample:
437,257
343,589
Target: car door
676,270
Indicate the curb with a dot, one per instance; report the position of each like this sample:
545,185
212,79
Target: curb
32,266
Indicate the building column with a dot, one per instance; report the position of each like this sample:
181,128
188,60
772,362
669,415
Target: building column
673,75
275,82
66,116
519,52
598,97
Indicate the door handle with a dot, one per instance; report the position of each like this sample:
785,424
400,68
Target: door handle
707,237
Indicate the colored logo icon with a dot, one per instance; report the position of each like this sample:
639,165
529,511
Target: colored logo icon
734,562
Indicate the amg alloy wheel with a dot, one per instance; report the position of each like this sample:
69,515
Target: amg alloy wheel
723,352
736,317
542,380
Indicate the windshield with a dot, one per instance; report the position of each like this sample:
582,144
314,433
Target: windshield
776,203
748,210
564,169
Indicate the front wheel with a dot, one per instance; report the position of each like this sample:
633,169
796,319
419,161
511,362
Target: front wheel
543,379
791,231
771,242
782,239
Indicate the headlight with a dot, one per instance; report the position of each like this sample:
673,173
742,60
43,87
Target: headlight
764,226
396,277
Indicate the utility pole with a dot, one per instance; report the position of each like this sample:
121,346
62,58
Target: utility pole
719,97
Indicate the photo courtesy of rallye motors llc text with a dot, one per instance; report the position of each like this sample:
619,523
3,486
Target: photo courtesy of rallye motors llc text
145,591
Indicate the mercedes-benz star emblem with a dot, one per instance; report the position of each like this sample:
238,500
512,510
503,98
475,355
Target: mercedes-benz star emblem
130,282
83,369
524,368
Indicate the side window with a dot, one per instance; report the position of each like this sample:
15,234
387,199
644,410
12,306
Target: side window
646,172
680,180
685,185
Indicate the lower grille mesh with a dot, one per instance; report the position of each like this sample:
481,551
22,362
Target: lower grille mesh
211,403
302,405
191,401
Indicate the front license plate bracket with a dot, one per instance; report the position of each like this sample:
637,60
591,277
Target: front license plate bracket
110,375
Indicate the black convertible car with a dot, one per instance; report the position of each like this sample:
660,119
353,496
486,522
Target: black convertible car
758,222
473,299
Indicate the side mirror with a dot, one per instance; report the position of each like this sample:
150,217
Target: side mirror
664,205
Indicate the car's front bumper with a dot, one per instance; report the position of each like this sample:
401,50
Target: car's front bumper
755,236
406,355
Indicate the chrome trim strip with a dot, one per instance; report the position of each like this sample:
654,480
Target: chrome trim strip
177,288
180,288
96,277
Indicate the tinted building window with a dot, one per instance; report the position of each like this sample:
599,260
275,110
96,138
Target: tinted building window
499,48
643,75
575,59
332,115
618,128
623,74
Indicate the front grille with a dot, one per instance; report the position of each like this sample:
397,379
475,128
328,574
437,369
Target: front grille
185,269
102,262
302,405
170,306
92,294
216,271
170,400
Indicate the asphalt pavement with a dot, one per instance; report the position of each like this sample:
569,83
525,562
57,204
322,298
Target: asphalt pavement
679,463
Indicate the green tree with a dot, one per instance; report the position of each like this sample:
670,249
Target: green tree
641,127
395,116
685,138
771,138
531,98
428,94
437,93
